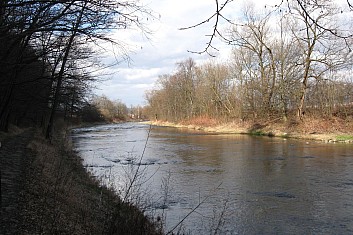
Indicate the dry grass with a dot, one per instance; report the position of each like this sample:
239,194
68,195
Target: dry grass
62,198
13,130
322,129
203,121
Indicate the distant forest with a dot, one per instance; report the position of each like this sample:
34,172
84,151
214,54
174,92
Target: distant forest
294,60
286,63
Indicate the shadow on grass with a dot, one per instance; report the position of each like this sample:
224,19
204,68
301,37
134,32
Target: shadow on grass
60,197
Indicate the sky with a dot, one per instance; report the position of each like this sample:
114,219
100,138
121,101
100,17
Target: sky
166,46
158,53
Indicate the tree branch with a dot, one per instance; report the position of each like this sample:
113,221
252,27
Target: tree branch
217,16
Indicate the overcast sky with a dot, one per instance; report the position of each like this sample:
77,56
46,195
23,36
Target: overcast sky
159,54
166,46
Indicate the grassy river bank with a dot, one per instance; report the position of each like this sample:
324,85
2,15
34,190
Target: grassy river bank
46,190
326,130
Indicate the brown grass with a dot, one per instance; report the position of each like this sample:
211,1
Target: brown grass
203,121
322,129
62,198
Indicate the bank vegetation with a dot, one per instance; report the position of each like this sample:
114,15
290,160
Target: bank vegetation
58,196
51,55
286,71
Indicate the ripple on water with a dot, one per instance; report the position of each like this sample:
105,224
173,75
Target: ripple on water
275,194
307,157
311,195
279,158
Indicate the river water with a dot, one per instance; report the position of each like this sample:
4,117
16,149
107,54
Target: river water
239,184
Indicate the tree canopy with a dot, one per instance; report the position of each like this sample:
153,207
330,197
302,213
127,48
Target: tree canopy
48,51
292,60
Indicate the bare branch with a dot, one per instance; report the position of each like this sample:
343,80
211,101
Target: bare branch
216,16
332,31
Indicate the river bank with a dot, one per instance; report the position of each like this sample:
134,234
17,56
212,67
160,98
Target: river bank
250,184
46,190
326,130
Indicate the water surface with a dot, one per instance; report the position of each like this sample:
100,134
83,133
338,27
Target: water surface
247,184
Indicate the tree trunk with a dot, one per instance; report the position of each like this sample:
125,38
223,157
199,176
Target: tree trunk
311,40
300,111
5,108
49,130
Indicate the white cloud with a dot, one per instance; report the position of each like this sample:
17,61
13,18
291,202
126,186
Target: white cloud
167,46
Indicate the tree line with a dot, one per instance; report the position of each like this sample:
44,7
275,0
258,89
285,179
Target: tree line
49,54
102,109
285,63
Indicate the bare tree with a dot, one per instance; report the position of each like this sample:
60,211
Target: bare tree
253,37
213,90
218,18
56,30
60,75
321,51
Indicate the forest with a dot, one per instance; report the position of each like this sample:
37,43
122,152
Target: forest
292,60
51,56
50,60
286,63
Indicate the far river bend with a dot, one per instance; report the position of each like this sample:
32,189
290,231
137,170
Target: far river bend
252,185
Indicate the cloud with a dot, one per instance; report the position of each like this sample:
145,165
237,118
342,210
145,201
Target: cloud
166,46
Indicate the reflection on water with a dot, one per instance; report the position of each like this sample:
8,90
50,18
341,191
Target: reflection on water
253,185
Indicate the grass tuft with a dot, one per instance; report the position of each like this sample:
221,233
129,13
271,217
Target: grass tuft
62,198
344,137
258,133
204,121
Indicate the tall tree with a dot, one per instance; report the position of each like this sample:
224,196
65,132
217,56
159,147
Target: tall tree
217,18
55,29
60,75
321,50
253,36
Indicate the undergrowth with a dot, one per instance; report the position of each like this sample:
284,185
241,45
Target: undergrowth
62,198
201,121
344,137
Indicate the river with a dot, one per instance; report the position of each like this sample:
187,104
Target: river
239,184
